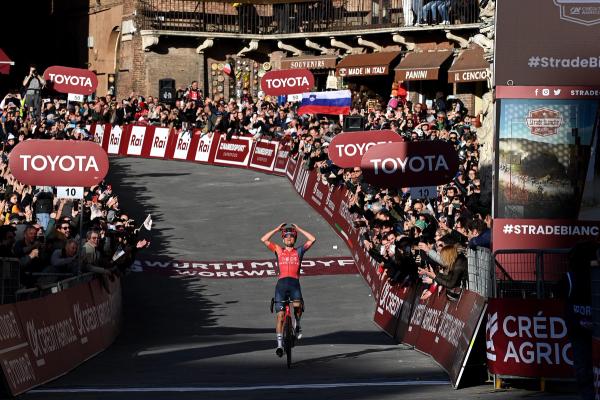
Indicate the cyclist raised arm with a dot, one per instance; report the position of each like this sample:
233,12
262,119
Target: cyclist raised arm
289,260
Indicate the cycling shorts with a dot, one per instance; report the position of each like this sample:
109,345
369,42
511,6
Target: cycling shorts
284,285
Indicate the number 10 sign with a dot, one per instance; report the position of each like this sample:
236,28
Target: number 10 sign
69,192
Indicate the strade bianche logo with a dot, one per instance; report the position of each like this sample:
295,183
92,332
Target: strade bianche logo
544,121
583,12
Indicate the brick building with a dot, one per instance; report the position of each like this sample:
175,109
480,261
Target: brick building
134,44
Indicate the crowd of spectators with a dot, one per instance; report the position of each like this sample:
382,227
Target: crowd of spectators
411,237
55,238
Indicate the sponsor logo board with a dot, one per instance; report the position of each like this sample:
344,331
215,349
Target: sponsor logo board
71,80
346,149
410,164
58,163
159,142
264,155
182,145
114,140
204,146
136,140
235,151
289,81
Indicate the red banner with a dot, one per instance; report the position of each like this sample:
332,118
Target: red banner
528,338
346,149
42,339
263,155
282,157
233,152
541,233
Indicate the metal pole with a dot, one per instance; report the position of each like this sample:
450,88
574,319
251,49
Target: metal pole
538,275
80,236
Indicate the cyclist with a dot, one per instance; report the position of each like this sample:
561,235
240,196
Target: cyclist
289,259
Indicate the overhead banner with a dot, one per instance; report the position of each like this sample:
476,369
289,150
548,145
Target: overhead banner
41,162
399,165
560,48
346,149
547,158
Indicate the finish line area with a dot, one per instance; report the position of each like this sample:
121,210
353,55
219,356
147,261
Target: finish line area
244,268
185,335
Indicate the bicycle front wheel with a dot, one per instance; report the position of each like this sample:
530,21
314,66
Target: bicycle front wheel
288,338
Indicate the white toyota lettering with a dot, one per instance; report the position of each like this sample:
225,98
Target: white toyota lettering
64,163
295,81
414,164
71,80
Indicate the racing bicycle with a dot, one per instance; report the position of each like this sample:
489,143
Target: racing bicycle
289,327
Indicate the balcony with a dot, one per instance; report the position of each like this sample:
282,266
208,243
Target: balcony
288,19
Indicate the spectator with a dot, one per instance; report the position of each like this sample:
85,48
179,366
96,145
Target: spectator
33,84
7,240
65,260
479,234
29,251
92,260
453,273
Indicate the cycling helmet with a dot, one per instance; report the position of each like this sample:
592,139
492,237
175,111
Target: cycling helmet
289,231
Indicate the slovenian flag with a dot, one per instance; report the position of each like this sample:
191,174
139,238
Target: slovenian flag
335,102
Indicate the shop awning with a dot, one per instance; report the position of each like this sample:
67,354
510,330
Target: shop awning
469,66
5,63
309,62
371,64
421,65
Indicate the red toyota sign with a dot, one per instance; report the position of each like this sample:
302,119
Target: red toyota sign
71,80
346,149
410,164
289,81
58,163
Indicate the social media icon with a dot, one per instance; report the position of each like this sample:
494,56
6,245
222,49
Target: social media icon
556,92
545,92
536,91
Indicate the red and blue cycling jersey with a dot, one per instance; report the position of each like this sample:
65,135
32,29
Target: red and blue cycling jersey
289,260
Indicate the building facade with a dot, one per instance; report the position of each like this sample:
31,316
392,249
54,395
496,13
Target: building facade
365,45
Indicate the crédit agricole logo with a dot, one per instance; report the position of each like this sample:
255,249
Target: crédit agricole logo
583,12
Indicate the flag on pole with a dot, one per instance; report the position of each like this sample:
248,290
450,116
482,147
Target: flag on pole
334,102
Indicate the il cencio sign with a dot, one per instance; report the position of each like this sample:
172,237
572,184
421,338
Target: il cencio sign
58,163
289,81
410,164
346,149
71,80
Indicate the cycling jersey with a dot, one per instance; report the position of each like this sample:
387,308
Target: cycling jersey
289,260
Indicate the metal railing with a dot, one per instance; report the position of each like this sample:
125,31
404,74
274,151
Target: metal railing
11,279
480,267
42,290
528,273
292,17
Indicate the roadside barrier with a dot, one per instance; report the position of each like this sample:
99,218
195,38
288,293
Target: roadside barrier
44,338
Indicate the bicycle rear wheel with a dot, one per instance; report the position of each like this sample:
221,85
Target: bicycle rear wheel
288,339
